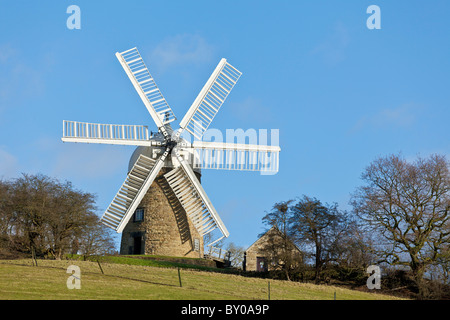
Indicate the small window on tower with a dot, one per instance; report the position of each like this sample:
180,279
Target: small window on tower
139,215
197,245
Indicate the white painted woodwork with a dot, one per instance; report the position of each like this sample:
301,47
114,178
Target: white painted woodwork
210,99
193,198
205,155
130,194
233,156
146,87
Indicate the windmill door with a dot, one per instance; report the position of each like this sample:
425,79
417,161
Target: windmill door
261,265
137,245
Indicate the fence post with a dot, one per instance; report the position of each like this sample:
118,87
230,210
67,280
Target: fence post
179,277
33,256
268,283
98,261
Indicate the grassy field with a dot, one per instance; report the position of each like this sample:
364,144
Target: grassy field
131,279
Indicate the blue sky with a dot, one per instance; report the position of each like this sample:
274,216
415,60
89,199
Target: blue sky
340,94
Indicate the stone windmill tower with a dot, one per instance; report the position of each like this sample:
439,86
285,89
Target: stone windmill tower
159,224
161,208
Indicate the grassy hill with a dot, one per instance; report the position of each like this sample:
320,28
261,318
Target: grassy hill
137,278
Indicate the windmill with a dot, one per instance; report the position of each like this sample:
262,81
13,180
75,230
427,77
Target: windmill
168,149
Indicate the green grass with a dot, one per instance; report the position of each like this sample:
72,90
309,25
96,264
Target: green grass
154,261
125,279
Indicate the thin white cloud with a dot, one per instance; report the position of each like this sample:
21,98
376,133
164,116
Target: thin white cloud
81,160
332,49
18,80
6,52
402,116
8,164
251,109
90,161
182,49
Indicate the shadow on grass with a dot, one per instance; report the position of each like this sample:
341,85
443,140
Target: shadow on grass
97,273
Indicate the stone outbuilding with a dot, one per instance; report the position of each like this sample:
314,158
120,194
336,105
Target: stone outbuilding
256,257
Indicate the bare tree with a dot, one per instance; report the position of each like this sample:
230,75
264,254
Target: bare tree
39,214
30,199
279,248
318,226
279,216
236,254
69,213
408,204
94,239
6,214
354,248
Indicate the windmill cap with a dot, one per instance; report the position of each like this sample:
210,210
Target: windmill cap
154,152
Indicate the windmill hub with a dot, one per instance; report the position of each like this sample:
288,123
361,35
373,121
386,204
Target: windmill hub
171,144
157,148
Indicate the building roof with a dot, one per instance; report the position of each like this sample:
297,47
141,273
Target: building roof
274,228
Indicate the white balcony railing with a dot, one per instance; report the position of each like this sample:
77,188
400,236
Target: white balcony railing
217,253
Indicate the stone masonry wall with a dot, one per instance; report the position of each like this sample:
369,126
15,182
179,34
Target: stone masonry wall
259,249
252,253
166,229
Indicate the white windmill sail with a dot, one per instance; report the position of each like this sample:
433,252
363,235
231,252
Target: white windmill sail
210,99
205,155
86,132
130,194
146,87
231,156
194,200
